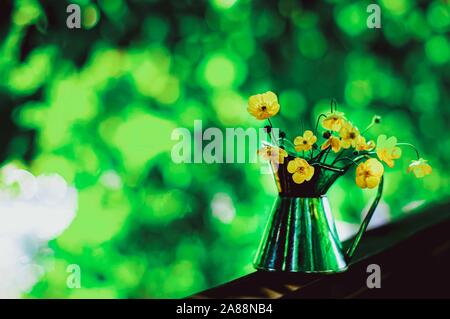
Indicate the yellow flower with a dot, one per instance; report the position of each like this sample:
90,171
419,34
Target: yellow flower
305,142
387,150
334,121
334,142
301,170
361,144
273,154
349,135
368,174
420,168
263,106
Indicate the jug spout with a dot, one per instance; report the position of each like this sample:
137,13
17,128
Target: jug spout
301,236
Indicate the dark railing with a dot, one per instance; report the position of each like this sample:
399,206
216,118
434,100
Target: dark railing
413,254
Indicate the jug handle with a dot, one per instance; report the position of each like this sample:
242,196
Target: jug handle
365,223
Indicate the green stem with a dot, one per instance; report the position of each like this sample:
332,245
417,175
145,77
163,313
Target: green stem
365,155
347,159
333,102
311,154
326,154
331,168
410,145
338,156
368,127
287,142
272,137
317,122
319,156
355,160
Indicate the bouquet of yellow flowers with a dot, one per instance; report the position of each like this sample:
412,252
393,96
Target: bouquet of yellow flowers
300,234
341,138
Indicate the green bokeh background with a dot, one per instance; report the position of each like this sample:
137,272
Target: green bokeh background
98,106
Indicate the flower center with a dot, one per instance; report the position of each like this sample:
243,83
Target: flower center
352,135
304,142
263,108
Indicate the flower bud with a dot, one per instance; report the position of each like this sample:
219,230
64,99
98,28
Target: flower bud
377,119
326,134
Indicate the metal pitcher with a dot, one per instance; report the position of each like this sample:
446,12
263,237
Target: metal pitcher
300,235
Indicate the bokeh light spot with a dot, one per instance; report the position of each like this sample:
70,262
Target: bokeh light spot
438,15
223,4
396,7
438,49
352,18
312,44
90,16
222,71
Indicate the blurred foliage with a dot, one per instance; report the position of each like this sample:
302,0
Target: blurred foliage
98,105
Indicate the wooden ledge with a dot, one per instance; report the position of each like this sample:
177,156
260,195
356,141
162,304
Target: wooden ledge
413,253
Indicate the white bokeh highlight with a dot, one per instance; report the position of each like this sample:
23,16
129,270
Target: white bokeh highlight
33,211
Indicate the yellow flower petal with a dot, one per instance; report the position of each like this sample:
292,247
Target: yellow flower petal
420,168
387,150
334,142
270,97
334,121
301,170
292,166
263,106
349,135
396,152
308,134
281,155
346,144
368,174
305,142
298,178
309,172
274,154
302,147
254,101
361,144
373,181
375,167
361,181
298,140
301,162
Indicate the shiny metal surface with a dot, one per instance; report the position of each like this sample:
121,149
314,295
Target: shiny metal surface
300,235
